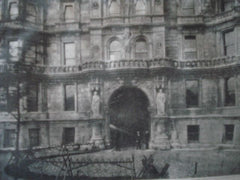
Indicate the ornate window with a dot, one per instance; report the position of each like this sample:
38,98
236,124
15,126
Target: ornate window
34,137
228,43
188,7
230,92
192,93
69,98
13,10
69,54
193,133
190,47
115,50
9,138
68,13
31,13
14,48
68,135
140,7
32,98
114,7
141,48
3,99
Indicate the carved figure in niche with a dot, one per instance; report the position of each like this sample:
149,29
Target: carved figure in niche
161,101
95,106
126,41
208,7
95,52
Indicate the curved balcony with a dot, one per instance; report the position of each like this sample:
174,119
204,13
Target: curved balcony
131,64
223,17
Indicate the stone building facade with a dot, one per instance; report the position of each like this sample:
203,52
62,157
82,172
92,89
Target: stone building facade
88,67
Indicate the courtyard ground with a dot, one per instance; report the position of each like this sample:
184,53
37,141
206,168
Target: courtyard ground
183,163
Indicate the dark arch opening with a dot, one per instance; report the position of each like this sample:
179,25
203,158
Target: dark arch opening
129,114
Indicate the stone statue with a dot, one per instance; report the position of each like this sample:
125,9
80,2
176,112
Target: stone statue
161,101
95,104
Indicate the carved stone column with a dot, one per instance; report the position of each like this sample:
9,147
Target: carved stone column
159,138
96,117
97,138
160,121
174,136
107,128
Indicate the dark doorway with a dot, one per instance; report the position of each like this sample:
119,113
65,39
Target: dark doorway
129,114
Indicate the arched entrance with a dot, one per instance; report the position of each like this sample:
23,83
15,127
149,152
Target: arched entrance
128,114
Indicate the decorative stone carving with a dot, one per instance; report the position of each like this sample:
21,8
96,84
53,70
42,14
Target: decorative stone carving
161,101
159,138
95,5
174,136
97,138
161,98
95,105
208,7
126,38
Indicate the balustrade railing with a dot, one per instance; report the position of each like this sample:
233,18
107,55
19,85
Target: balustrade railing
123,64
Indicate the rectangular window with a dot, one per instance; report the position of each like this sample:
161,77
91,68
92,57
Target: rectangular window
9,138
68,135
188,7
193,133
192,93
68,13
229,90
228,43
190,47
32,98
69,54
70,97
13,10
34,137
3,99
229,131
13,99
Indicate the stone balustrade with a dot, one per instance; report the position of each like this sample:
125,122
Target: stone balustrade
155,63
190,20
21,25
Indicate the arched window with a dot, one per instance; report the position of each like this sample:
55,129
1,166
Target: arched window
141,7
68,13
230,91
141,49
13,10
115,50
114,8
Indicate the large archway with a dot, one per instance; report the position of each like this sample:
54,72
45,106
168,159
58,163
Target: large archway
129,114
